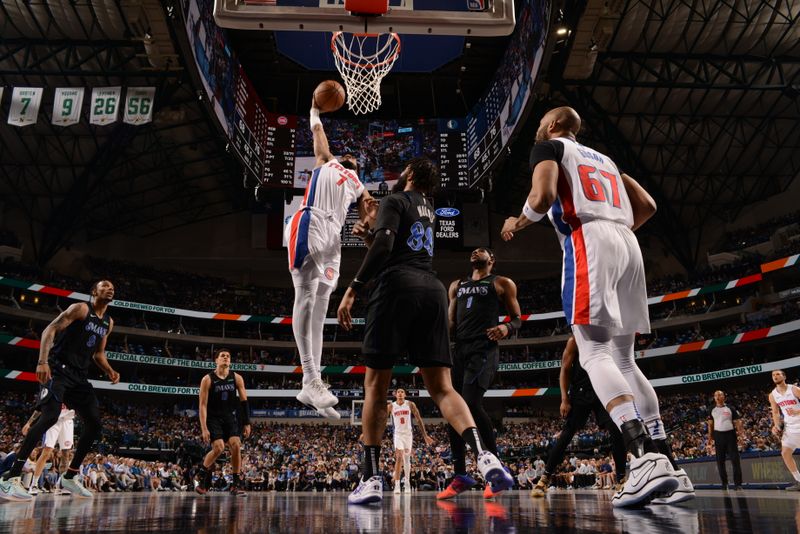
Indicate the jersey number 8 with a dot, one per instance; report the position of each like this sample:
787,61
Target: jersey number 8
421,237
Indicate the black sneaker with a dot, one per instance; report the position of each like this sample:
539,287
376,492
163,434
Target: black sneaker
794,487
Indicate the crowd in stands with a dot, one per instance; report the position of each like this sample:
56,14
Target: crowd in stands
286,457
161,287
381,149
760,233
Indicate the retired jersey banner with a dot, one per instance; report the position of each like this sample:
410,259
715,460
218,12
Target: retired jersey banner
67,106
24,105
105,104
139,105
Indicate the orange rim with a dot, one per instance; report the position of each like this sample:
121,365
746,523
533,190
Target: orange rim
390,59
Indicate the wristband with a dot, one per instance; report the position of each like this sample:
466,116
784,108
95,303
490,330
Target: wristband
356,285
244,412
531,214
514,324
314,120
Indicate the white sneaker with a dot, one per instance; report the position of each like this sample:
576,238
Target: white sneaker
74,486
493,472
329,413
396,486
316,394
368,491
684,492
34,490
648,474
364,519
12,490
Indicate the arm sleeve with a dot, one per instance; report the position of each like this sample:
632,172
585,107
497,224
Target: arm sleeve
735,414
376,255
546,151
389,213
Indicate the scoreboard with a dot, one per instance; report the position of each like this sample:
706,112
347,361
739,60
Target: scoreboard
279,150
264,141
453,167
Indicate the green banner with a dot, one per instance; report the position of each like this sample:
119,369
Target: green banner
530,366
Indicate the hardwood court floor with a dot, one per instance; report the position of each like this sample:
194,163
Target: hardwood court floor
751,511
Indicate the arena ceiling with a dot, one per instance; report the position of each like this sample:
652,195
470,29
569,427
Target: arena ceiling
696,99
84,182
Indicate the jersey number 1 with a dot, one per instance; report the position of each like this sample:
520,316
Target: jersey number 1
593,187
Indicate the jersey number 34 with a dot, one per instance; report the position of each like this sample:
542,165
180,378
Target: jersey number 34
420,238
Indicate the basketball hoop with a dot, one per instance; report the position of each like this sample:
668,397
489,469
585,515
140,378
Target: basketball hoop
363,60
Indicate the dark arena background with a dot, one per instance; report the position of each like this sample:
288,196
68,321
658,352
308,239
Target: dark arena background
164,146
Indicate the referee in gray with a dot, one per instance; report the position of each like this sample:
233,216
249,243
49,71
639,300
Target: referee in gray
723,424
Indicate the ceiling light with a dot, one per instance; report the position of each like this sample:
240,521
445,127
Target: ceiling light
563,30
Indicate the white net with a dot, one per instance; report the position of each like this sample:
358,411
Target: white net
363,60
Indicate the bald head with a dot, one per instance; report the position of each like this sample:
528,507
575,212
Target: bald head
559,122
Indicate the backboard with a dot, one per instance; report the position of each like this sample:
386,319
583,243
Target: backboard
486,18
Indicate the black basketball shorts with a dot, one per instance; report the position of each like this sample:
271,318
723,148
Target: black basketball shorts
407,315
475,362
223,426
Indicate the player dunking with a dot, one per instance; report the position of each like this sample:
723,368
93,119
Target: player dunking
80,334
785,399
473,315
314,246
63,433
407,314
594,209
402,411
223,418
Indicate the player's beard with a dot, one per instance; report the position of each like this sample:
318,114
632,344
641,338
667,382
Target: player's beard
349,164
541,135
479,263
400,185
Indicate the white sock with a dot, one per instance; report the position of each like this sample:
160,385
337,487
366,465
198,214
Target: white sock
320,310
656,429
622,413
302,327
796,475
407,465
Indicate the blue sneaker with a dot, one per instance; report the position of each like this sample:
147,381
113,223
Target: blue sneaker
459,484
12,490
494,473
368,491
74,486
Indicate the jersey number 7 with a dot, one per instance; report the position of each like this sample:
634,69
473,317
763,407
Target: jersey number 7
593,187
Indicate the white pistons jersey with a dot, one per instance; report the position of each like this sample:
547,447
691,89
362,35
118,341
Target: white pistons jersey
315,229
589,188
790,408
603,281
401,418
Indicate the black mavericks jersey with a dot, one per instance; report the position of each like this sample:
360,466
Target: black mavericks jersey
409,214
477,308
222,398
76,345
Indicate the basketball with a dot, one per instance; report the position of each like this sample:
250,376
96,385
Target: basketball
329,96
